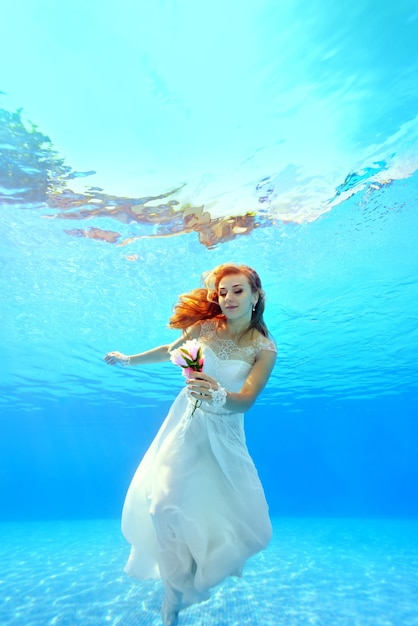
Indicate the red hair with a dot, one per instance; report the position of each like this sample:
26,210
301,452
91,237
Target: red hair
202,304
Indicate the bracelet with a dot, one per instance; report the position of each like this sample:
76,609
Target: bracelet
218,396
126,361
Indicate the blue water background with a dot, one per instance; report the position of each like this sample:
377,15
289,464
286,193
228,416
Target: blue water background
335,431
297,124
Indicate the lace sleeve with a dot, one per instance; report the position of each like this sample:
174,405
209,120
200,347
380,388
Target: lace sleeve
266,344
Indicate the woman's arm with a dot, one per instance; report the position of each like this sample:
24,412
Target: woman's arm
155,355
200,383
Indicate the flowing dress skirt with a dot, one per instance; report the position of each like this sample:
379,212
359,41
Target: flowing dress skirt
195,510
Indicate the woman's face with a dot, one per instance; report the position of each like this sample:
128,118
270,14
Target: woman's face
235,297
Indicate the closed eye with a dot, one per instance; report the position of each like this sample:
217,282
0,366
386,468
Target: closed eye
223,294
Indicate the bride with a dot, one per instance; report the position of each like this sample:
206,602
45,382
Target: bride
195,510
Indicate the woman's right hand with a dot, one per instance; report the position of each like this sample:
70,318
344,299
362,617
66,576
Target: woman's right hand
114,358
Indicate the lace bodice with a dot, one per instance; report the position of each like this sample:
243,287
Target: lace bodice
226,349
225,361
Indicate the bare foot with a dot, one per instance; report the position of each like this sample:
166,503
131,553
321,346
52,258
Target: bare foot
169,617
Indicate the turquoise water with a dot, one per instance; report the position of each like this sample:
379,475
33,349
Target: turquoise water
170,138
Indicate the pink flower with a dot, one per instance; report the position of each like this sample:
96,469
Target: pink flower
178,358
189,356
192,347
191,359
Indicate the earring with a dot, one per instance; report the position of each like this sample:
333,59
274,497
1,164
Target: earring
253,308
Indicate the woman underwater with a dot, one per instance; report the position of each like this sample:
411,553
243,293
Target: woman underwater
195,510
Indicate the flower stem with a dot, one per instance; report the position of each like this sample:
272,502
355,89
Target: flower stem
196,406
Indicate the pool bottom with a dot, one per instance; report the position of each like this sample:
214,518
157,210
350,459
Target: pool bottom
323,572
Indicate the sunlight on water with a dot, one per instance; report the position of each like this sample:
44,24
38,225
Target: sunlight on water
257,118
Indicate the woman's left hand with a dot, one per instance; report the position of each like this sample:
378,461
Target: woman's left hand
200,386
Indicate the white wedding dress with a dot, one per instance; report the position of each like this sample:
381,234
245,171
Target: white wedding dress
195,510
